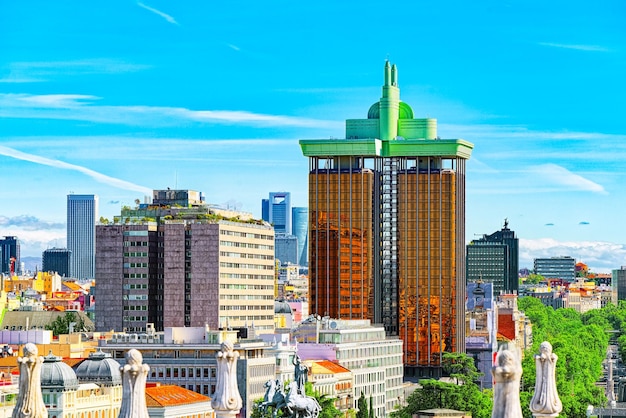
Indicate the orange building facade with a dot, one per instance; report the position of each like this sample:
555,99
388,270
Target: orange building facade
387,228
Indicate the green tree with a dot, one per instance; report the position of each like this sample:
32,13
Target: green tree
61,325
436,394
363,411
460,366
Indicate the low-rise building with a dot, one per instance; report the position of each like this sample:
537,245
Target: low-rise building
374,359
186,356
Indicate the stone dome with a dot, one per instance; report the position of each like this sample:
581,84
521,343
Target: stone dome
57,375
99,368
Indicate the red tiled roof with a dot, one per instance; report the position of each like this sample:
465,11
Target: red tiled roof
161,396
328,367
506,326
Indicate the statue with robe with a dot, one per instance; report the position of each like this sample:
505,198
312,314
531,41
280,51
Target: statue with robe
29,402
507,373
226,401
134,376
545,401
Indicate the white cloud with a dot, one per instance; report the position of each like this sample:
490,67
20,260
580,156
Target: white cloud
38,71
578,47
99,177
561,176
600,256
34,242
80,107
158,12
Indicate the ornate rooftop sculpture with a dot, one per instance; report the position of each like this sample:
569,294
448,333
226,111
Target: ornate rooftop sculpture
506,374
29,402
134,375
545,401
226,401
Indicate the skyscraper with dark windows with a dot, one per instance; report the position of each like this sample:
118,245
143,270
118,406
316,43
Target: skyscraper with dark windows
387,228
82,212
494,259
9,254
56,260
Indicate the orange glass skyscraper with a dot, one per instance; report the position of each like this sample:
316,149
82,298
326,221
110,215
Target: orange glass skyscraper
387,228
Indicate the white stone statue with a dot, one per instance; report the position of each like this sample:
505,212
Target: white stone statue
134,375
29,402
545,401
506,374
226,401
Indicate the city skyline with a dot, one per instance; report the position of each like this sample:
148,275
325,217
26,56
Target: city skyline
123,98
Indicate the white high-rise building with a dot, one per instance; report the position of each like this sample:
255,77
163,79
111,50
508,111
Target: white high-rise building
82,212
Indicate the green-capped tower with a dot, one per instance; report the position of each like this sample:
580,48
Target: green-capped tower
387,228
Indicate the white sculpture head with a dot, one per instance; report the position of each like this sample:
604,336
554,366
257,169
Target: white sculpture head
134,357
30,350
545,348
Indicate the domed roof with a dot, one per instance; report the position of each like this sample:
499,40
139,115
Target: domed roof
282,307
99,368
57,375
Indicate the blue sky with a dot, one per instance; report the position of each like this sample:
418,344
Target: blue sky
117,98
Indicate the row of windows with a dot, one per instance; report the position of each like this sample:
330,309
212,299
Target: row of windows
135,275
135,286
245,255
246,286
247,297
184,372
246,235
135,308
135,254
135,297
133,265
247,266
135,318
246,276
135,243
248,308
246,245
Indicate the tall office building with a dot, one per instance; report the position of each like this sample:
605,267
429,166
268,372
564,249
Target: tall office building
387,228
494,259
9,254
277,211
82,212
57,260
556,268
195,269
300,228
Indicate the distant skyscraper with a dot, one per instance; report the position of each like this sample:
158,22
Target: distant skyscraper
82,212
387,228
300,228
618,284
9,249
265,210
286,248
57,260
495,259
556,268
279,212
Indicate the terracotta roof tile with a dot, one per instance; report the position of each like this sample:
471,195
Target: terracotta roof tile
171,395
326,366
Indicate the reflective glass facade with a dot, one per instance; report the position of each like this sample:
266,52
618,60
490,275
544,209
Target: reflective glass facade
340,207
